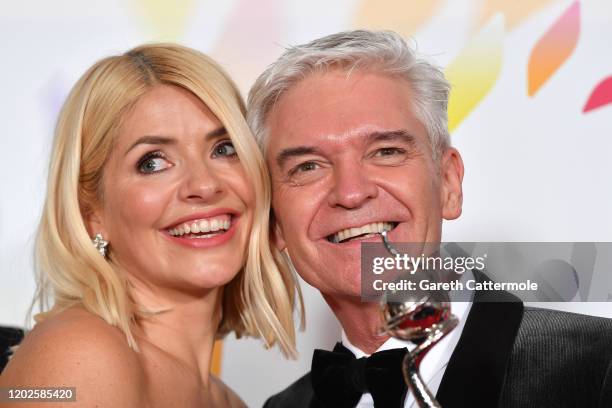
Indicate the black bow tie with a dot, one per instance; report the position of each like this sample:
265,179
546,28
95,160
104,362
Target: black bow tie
339,379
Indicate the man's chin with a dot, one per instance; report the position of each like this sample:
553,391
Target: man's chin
344,290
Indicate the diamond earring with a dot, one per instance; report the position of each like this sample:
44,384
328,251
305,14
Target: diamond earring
100,243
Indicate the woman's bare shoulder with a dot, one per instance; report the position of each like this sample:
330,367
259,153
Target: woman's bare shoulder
76,348
225,395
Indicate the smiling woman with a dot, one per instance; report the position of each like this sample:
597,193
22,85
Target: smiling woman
154,163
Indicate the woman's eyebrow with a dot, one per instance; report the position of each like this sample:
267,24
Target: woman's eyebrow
220,131
151,139
165,140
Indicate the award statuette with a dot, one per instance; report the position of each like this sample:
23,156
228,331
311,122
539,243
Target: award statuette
422,318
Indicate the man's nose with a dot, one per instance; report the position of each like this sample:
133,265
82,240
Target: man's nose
352,186
200,183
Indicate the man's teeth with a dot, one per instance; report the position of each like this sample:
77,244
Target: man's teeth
202,226
373,228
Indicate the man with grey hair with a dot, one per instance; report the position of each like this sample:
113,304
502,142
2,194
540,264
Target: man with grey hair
354,130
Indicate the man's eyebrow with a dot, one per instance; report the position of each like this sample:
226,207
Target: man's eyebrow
379,136
165,140
400,135
286,154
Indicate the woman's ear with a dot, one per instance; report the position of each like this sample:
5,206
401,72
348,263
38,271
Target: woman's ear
94,224
451,178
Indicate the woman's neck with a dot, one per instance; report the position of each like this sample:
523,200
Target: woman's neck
181,325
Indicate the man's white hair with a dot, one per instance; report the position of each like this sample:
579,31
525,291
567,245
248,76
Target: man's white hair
384,52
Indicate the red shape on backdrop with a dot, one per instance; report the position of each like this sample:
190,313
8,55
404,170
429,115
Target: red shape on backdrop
601,95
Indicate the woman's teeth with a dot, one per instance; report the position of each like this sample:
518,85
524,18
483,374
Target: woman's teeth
208,225
367,231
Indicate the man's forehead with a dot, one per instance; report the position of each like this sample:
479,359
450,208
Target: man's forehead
329,107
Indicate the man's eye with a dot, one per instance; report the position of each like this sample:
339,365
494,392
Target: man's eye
224,149
303,167
388,151
152,163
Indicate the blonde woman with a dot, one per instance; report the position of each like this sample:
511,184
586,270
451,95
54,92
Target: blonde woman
154,238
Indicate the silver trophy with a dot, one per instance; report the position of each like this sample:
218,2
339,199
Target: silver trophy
422,318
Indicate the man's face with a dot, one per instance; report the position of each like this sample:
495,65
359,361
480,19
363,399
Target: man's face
348,159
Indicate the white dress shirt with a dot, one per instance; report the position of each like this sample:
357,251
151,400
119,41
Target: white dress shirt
434,364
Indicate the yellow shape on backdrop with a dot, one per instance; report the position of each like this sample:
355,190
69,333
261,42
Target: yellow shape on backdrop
404,17
553,49
166,18
475,70
515,11
215,365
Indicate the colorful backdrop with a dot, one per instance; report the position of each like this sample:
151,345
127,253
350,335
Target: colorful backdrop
530,111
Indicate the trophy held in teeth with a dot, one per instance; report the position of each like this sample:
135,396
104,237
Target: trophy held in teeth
423,318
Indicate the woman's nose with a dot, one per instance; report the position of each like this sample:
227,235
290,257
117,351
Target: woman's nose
200,183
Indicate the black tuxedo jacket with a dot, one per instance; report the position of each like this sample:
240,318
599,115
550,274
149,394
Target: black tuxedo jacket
9,337
512,356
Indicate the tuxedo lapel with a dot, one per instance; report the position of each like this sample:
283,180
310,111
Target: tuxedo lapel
475,373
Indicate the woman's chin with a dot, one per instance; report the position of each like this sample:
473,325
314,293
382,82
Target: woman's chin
211,277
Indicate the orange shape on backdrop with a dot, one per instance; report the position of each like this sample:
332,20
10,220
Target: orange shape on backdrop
515,11
401,16
601,95
215,365
553,49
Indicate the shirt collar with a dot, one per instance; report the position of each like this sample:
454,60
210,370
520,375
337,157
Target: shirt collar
459,309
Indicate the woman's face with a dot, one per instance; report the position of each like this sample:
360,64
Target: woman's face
176,207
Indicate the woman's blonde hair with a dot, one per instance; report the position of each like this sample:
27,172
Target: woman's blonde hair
258,302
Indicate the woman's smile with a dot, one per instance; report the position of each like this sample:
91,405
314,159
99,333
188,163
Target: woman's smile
204,230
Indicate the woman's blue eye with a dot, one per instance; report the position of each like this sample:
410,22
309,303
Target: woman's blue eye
152,163
224,149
